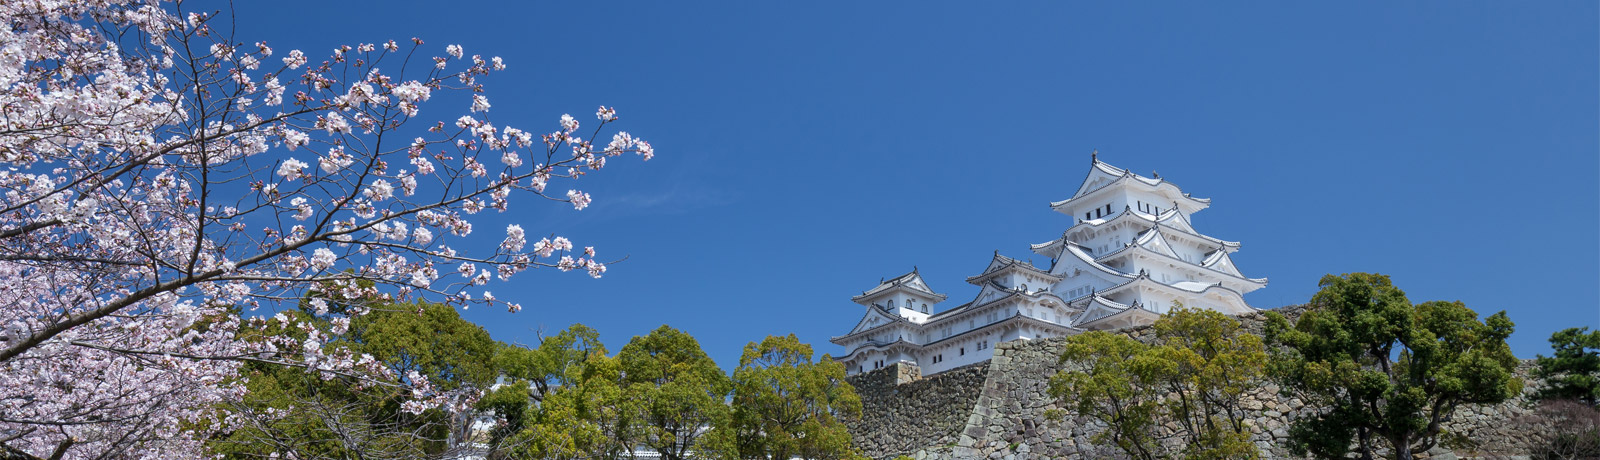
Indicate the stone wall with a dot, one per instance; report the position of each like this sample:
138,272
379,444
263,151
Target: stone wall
902,412
1003,404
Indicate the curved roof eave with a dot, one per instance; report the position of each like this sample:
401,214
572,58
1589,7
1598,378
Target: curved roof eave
901,282
1003,321
1135,247
1152,219
1008,263
898,342
1130,311
893,320
1091,261
1186,223
1209,287
1161,184
1095,164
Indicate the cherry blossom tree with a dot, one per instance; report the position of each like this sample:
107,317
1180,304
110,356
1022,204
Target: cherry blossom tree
163,181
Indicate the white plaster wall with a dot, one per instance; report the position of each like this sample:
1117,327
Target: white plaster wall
951,350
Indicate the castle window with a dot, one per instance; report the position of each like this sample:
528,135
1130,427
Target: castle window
1108,209
1086,216
963,351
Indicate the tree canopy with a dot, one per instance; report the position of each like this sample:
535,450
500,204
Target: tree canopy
678,391
1573,370
1193,376
289,410
785,405
1378,371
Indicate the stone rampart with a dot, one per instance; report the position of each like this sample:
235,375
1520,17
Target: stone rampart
998,410
902,412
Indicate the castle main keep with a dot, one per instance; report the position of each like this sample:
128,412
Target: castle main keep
1128,256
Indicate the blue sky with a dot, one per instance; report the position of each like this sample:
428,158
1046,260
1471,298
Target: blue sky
806,151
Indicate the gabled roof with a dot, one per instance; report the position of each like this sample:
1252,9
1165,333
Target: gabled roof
884,318
1002,264
1176,221
1222,262
1188,287
1096,306
1073,256
1139,248
1152,240
1102,313
862,328
1102,176
910,282
1170,221
897,343
1002,293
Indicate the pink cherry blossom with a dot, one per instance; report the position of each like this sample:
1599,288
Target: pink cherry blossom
173,213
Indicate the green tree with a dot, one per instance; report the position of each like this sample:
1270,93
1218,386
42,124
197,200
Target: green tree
531,376
785,405
678,390
1382,370
561,400
588,418
1574,371
430,339
1119,384
1216,365
331,416
1194,377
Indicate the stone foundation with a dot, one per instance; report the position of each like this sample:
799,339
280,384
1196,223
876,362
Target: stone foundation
998,410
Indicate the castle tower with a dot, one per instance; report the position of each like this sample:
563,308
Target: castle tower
1132,247
1130,255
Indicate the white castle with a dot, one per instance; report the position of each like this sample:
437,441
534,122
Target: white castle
1130,255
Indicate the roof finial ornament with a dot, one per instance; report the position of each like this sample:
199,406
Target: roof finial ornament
1155,174
913,269
1094,156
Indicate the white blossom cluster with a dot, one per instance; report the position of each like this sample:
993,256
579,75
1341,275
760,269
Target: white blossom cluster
137,223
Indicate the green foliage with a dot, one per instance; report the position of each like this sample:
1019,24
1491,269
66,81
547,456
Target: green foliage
430,339
785,405
1574,371
676,389
572,399
1119,385
1383,370
564,399
1216,365
315,416
1193,377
